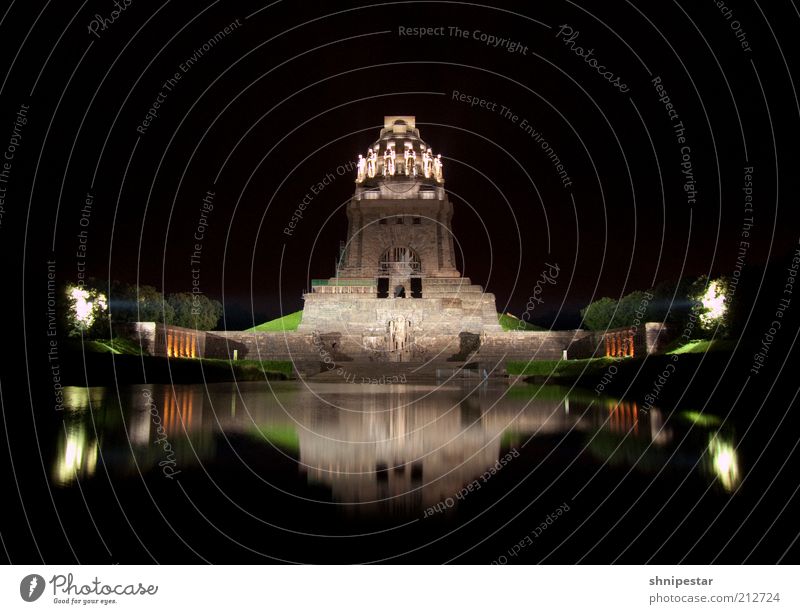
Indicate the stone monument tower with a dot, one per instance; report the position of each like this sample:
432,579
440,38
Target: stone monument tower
399,218
397,286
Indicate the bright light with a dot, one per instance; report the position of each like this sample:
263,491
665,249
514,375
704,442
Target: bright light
724,462
86,305
83,308
714,304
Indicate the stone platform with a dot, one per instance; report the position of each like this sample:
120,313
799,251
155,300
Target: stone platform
450,305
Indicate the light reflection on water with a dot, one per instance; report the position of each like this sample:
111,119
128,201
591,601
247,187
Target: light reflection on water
399,448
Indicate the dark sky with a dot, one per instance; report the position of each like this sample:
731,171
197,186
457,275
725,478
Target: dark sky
298,89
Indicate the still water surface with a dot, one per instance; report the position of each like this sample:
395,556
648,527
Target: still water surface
355,460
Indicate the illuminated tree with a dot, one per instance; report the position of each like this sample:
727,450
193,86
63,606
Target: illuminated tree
87,311
710,303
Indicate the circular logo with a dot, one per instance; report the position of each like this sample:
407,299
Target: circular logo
31,587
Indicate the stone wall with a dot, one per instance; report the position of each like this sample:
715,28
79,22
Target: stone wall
311,351
532,345
363,314
165,340
626,341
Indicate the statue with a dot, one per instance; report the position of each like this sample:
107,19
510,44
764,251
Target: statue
407,159
413,163
388,162
399,333
426,162
361,165
372,163
437,168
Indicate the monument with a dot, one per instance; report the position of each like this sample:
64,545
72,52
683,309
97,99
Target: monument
397,282
397,306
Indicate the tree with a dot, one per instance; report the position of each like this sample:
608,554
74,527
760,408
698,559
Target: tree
599,315
194,311
710,303
632,309
131,303
86,311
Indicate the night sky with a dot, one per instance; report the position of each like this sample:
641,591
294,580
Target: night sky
289,94
170,143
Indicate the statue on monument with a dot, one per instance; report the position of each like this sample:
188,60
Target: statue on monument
399,329
437,168
372,163
426,162
362,168
388,162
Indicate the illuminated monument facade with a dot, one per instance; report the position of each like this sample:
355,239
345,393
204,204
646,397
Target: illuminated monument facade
397,281
397,295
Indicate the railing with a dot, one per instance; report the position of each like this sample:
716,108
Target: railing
399,267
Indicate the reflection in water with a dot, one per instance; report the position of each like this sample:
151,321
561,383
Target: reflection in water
623,416
396,449
76,453
660,433
76,449
724,462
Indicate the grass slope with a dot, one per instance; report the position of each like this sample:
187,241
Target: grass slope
288,322
700,346
512,323
291,321
118,345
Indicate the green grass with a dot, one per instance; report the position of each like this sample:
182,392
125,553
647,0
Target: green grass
288,322
118,345
291,321
281,436
512,323
700,346
560,368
